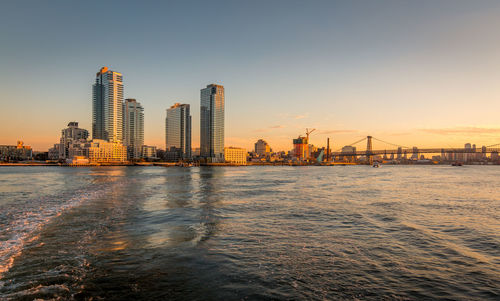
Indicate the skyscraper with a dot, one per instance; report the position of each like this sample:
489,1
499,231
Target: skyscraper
212,123
133,128
178,132
107,108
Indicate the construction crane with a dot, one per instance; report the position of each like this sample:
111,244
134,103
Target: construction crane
309,132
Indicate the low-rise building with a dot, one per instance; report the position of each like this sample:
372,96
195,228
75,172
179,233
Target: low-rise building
101,151
78,160
235,155
17,152
53,152
348,154
149,152
71,141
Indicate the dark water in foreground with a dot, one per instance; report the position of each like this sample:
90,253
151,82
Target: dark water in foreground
356,232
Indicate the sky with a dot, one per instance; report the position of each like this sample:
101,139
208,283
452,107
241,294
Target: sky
413,73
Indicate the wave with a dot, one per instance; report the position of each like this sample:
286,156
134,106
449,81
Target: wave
21,224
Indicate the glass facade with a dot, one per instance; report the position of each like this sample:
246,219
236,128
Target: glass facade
212,123
178,130
133,128
107,109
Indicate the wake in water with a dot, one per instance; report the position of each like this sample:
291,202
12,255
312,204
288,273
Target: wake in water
20,225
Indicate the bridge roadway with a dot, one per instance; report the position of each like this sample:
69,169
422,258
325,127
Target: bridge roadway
419,151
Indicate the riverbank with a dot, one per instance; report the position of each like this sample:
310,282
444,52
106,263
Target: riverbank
169,164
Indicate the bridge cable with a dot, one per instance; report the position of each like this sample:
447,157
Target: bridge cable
402,146
493,145
351,144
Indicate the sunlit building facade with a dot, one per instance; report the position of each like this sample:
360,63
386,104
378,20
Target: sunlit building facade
301,148
107,106
178,131
212,123
235,155
101,151
133,128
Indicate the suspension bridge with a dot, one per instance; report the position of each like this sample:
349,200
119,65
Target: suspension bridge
402,151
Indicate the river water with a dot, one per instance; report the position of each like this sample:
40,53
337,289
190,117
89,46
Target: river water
250,233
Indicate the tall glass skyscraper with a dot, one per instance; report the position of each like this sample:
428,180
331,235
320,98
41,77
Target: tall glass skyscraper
178,132
212,123
107,106
133,128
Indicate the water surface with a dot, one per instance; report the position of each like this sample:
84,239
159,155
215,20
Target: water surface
233,233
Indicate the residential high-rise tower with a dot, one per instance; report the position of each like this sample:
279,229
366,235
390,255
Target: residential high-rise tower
178,131
133,128
212,123
107,106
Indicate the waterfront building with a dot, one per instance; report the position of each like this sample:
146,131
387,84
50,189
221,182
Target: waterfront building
451,156
196,152
235,155
102,151
400,153
468,152
53,153
212,123
262,148
348,153
311,149
414,155
476,156
78,160
77,148
178,132
19,152
72,140
301,148
107,106
133,128
149,152
494,156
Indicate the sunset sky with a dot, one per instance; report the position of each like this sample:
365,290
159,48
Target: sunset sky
424,73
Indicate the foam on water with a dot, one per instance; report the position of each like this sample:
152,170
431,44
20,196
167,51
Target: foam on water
22,225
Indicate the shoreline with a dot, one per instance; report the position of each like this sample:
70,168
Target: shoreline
168,164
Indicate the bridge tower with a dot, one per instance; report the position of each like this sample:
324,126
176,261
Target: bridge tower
369,154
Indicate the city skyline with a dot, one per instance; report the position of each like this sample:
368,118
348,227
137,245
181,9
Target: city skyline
348,70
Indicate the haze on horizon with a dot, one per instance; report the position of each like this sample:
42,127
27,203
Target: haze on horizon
423,73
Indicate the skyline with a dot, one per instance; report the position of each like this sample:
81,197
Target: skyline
348,70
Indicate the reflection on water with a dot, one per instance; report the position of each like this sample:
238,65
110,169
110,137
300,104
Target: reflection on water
400,232
182,212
